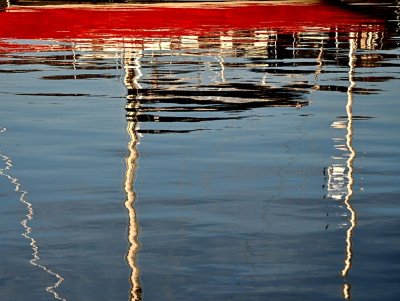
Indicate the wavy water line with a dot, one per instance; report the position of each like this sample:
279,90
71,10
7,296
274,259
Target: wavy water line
28,230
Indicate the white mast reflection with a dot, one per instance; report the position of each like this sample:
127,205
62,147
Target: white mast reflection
25,223
133,228
131,166
341,175
350,168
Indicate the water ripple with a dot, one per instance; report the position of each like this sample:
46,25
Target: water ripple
35,261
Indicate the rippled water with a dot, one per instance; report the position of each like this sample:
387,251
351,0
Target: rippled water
218,152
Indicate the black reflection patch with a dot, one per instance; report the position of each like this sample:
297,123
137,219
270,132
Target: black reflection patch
234,90
145,104
53,94
220,106
149,131
356,117
372,79
154,118
19,71
344,89
77,76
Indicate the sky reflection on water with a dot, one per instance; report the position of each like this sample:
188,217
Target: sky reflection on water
260,156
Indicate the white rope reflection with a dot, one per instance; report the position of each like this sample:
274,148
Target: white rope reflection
25,223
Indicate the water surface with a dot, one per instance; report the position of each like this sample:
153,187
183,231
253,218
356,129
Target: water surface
232,155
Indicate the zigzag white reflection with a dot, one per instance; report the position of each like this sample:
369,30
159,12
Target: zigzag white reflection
25,223
350,169
133,230
341,175
131,165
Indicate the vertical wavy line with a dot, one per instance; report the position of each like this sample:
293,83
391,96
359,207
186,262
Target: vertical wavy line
350,169
25,224
133,228
132,76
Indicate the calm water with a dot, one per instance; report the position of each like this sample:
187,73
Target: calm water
201,159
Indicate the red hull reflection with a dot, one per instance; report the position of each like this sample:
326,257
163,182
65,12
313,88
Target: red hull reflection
65,23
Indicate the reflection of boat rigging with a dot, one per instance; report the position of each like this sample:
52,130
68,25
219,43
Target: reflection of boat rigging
196,77
341,173
192,77
131,165
146,98
207,82
133,227
350,170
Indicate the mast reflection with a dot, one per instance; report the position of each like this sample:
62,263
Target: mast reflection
341,175
131,166
350,169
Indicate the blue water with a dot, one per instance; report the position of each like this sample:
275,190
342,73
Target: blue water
150,174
